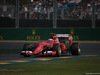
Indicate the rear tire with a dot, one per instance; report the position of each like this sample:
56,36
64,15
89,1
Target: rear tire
75,49
27,47
57,48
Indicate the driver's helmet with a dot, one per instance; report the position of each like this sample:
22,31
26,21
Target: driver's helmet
50,40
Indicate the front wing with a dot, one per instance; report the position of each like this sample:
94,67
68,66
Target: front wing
42,53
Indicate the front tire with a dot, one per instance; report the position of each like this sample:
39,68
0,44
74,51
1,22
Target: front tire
75,49
27,47
57,48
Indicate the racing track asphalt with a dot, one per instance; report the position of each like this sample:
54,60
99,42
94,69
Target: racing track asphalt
86,49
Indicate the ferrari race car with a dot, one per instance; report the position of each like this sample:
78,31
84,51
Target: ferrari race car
52,47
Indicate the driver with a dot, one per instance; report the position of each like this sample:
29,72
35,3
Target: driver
56,40
50,40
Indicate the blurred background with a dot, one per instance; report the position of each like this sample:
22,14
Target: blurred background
79,17
61,10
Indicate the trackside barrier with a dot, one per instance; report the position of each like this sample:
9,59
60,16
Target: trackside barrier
82,34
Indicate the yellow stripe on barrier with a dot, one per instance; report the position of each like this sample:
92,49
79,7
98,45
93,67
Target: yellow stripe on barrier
4,63
21,61
65,57
43,59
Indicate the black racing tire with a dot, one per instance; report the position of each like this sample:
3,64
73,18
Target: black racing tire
75,48
27,47
57,48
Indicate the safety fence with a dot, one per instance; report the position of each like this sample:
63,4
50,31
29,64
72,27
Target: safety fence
50,10
30,23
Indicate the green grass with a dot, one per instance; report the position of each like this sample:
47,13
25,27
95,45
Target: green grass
68,67
9,51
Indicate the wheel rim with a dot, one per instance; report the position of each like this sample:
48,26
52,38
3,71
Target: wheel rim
79,50
59,50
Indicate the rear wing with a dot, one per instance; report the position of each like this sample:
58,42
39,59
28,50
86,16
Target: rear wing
66,36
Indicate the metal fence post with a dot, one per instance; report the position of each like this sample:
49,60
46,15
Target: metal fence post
93,13
30,13
48,13
54,14
62,13
17,14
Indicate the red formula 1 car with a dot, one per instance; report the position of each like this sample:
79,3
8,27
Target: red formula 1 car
52,47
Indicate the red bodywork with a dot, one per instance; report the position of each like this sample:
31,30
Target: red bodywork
43,45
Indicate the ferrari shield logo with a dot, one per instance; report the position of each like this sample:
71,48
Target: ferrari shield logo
33,32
